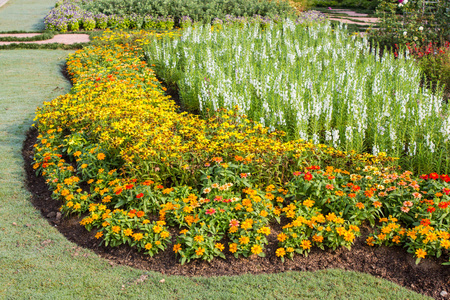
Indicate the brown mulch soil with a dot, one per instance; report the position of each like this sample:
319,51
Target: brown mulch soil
394,263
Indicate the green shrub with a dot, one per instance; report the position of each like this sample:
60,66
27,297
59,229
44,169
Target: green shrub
412,21
198,10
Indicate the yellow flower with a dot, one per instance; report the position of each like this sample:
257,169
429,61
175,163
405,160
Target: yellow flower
200,251
282,237
138,236
219,246
243,240
101,156
306,244
233,247
280,252
99,235
176,248
256,249
420,253
128,232
264,230
199,238
308,203
148,246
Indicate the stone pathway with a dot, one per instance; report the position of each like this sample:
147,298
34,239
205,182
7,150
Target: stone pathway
351,18
66,39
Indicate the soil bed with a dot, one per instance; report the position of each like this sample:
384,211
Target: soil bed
394,263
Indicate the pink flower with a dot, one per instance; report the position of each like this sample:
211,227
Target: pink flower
234,223
404,209
417,195
210,211
407,203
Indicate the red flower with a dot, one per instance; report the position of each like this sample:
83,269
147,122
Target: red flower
140,214
443,205
424,176
297,173
129,186
434,176
431,209
308,176
119,191
446,190
425,222
140,195
313,168
445,177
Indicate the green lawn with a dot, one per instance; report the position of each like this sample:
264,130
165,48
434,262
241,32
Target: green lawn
26,15
38,262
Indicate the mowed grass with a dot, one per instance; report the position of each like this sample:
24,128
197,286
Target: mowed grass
37,262
26,15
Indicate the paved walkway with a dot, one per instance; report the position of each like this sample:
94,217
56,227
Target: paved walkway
351,17
66,39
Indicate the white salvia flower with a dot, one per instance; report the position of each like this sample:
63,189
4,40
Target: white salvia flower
349,133
315,138
375,150
335,134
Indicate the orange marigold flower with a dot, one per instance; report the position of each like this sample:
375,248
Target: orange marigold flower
370,241
359,205
420,253
377,204
280,252
148,246
256,249
99,235
243,240
200,251
138,236
308,203
282,237
317,238
306,244
219,246
199,238
176,248
101,156
233,247
445,244
128,231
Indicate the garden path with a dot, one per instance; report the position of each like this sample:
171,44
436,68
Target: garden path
351,17
66,39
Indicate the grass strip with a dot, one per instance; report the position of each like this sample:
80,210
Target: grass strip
27,15
41,37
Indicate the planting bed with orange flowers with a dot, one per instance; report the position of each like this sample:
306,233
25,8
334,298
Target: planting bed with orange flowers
169,191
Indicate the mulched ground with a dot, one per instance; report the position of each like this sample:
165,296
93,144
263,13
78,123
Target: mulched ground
394,263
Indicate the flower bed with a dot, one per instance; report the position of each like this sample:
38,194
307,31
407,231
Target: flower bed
117,151
314,82
73,15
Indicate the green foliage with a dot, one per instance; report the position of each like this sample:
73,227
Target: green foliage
412,21
434,62
198,10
